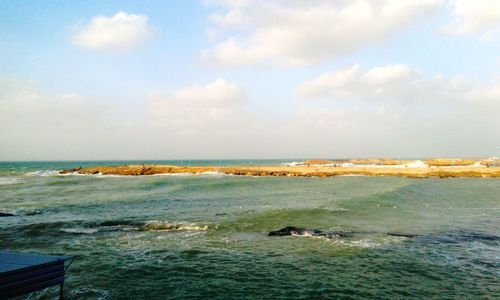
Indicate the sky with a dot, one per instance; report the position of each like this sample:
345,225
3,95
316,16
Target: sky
215,79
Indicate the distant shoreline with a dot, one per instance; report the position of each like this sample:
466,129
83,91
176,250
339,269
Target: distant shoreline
297,170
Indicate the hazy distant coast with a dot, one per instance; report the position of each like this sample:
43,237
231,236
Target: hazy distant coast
441,168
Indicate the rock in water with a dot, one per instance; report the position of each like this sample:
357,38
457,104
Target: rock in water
401,234
6,214
291,230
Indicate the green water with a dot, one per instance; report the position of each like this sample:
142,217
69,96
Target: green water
205,236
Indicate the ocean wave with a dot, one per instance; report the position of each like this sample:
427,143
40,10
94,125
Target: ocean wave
127,225
335,209
99,175
80,230
20,212
10,180
216,173
43,173
368,243
358,239
166,226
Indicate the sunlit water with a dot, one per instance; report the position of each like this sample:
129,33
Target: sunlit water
205,236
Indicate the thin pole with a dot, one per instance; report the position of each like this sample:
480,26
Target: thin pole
61,292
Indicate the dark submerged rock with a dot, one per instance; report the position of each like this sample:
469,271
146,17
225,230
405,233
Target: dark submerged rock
6,214
292,230
402,234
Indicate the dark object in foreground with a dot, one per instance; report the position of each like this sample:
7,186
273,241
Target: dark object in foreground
291,230
22,273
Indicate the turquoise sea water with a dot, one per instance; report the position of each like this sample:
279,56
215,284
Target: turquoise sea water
205,236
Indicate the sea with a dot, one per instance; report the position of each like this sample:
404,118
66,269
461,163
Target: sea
206,236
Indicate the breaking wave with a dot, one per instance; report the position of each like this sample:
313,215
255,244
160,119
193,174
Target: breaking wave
80,230
44,173
165,226
10,180
20,212
125,225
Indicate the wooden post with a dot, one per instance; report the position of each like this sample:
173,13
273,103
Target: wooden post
61,292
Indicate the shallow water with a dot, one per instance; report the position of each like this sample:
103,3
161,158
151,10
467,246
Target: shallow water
205,236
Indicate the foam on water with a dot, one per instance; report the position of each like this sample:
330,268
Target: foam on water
126,225
365,243
166,226
80,230
21,211
10,180
216,173
44,173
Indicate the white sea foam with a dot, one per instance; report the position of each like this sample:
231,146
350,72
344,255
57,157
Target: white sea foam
216,173
306,234
336,209
22,211
80,230
44,173
360,242
166,226
9,180
372,242
100,175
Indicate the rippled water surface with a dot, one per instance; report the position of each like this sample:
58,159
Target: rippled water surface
205,236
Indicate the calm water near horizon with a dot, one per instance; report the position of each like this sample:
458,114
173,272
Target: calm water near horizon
205,236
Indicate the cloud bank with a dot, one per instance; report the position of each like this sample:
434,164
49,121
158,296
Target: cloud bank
211,108
396,84
121,31
298,33
436,116
478,17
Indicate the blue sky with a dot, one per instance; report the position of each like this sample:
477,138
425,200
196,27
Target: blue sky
215,79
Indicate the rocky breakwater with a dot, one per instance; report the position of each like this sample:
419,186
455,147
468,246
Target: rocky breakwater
302,171
136,170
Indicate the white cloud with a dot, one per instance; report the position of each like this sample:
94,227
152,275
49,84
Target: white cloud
118,32
305,32
395,84
199,109
38,125
480,17
214,120
398,110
